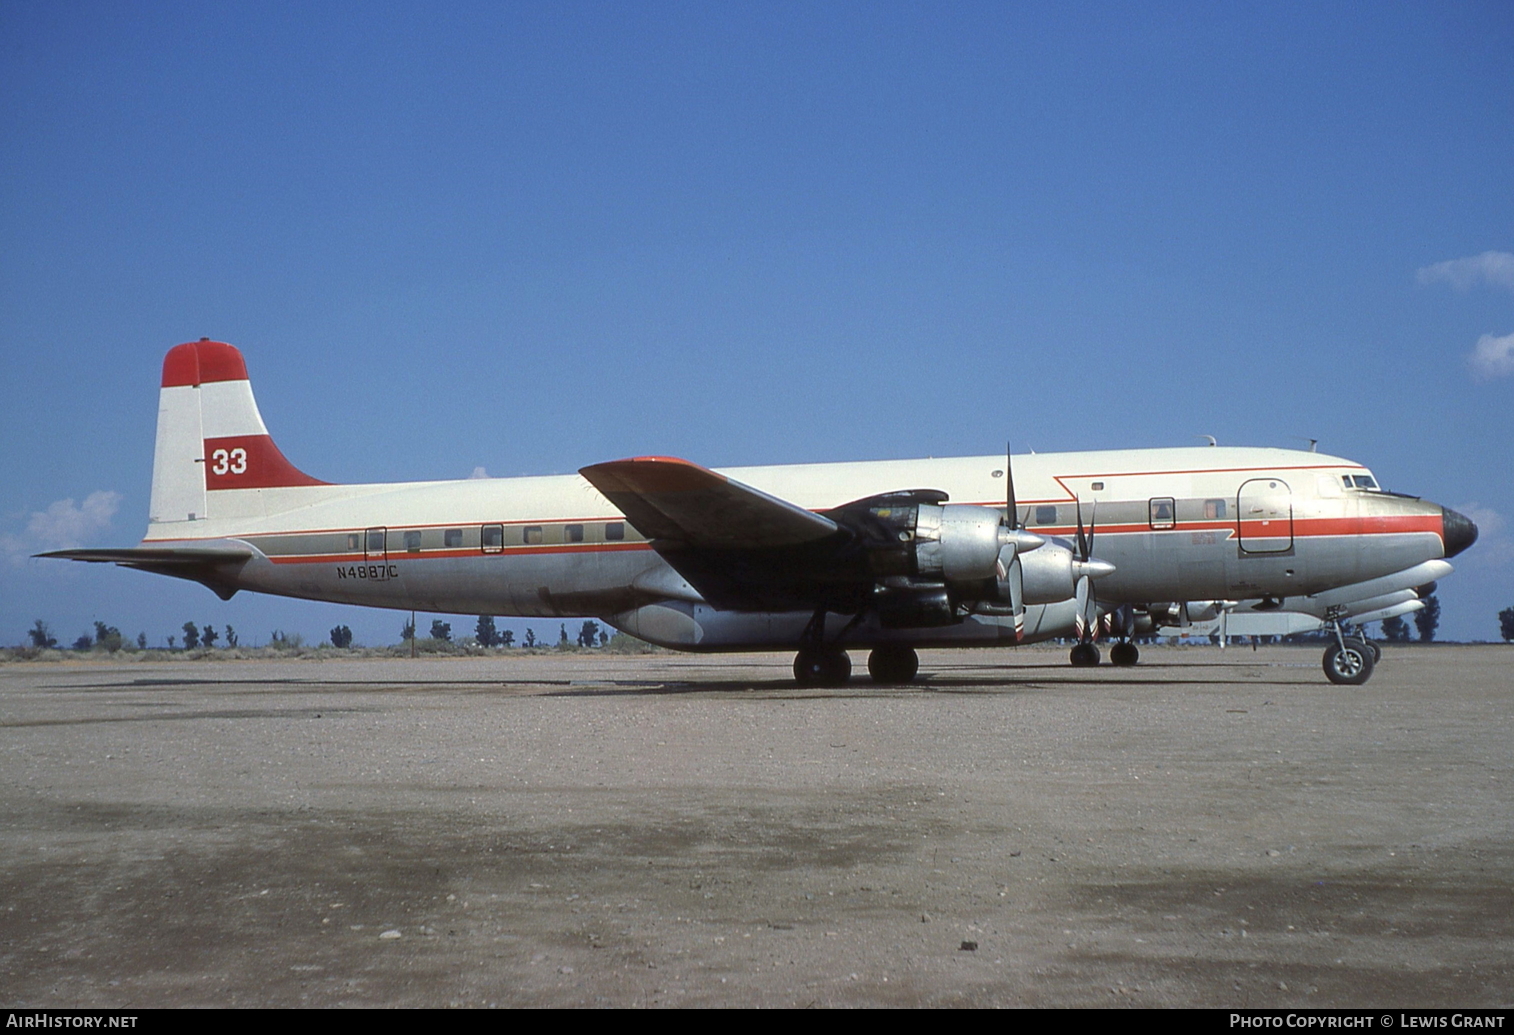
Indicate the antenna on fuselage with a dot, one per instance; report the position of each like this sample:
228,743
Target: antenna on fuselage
1212,440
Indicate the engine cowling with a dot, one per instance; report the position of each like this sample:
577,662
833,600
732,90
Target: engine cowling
957,542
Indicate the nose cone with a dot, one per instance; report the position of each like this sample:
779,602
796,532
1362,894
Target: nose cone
1457,531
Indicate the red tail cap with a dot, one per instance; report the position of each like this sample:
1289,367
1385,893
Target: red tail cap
197,362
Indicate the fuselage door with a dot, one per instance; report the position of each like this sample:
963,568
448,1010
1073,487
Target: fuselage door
1264,516
373,544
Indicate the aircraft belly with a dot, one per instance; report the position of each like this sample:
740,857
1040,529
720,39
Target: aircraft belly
698,627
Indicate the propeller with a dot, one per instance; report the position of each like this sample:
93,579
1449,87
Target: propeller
1087,569
1015,541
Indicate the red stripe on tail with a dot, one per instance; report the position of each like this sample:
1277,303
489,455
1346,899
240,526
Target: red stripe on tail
250,462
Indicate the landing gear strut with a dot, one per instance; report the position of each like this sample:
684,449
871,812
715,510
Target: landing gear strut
817,663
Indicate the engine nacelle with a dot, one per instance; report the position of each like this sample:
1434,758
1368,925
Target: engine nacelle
1049,575
957,542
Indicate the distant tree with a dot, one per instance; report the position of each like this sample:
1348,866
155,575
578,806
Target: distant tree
485,633
231,637
441,630
530,638
407,631
42,636
1396,630
1506,623
142,640
562,640
341,636
108,636
191,636
171,641
604,638
83,642
1427,619
507,638
209,635
588,636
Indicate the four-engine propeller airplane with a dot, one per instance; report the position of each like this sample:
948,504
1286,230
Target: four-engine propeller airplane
820,558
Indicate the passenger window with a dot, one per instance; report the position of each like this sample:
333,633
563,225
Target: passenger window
1046,515
1161,513
453,538
532,535
412,542
615,531
375,542
354,541
493,538
1214,510
573,533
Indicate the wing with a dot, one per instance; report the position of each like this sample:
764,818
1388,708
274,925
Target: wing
741,548
679,502
213,566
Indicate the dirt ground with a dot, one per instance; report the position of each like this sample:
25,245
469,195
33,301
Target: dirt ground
1212,828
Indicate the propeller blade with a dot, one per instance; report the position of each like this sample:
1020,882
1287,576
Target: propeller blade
1012,506
1082,540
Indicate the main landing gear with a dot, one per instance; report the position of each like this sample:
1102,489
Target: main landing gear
830,666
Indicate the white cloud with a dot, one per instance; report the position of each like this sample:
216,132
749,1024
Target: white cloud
1495,268
479,472
1493,357
63,525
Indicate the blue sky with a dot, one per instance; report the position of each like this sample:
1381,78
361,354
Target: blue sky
528,237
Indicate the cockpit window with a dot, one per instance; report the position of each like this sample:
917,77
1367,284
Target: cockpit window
1359,481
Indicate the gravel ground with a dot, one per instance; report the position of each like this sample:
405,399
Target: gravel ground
1212,828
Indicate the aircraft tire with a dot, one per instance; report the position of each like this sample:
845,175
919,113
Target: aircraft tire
1084,655
1371,648
893,664
815,667
1124,654
809,667
1350,667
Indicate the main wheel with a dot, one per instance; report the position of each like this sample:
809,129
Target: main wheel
1349,667
809,667
1084,655
1124,654
816,667
893,664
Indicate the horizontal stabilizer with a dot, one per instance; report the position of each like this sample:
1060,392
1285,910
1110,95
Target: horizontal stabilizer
210,566
674,500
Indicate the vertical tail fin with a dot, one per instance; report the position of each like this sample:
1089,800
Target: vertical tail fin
212,442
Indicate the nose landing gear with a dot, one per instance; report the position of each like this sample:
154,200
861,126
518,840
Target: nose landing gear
1349,661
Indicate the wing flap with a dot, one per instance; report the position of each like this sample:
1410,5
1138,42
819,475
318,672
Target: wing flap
677,501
